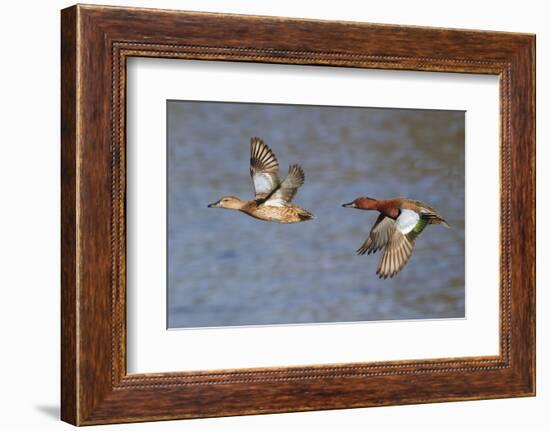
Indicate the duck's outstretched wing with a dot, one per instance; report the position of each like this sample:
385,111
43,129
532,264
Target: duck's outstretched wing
397,239
396,254
286,191
264,168
379,235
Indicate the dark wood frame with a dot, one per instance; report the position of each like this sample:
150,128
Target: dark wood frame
95,43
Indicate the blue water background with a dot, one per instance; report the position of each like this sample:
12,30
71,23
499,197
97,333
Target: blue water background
225,268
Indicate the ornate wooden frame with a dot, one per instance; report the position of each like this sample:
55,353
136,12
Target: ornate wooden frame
95,43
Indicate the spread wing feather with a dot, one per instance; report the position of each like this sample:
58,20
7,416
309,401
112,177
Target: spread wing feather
398,247
396,254
264,168
379,235
288,188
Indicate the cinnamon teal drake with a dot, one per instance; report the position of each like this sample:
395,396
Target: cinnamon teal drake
273,199
400,222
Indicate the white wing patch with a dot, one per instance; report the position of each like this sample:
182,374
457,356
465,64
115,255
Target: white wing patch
407,220
277,202
262,183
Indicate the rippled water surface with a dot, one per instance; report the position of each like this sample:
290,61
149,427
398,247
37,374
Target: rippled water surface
226,268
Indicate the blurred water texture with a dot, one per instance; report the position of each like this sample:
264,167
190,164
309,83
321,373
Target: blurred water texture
226,268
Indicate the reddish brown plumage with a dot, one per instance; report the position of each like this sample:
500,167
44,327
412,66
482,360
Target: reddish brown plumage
388,207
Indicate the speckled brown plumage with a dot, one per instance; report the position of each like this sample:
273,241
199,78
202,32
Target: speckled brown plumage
273,198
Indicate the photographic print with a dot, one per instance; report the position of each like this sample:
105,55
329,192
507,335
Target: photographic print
259,226
285,191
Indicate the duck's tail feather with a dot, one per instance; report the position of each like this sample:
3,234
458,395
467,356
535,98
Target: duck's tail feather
439,220
435,218
305,215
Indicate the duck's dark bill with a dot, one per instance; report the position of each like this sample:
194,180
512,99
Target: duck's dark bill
349,205
214,204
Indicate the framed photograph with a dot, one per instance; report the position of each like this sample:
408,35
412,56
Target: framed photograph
263,214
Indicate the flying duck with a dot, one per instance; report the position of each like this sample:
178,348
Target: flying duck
400,222
273,198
